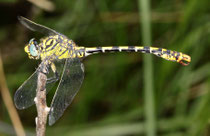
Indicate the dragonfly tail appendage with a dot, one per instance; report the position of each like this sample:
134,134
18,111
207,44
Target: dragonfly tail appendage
160,52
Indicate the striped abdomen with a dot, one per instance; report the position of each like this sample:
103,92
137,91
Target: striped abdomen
163,53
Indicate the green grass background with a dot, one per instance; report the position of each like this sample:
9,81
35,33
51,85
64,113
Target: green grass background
113,99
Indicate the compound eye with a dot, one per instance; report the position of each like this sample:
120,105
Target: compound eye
33,50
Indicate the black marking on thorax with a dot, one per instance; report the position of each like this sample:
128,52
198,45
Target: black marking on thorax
49,45
63,52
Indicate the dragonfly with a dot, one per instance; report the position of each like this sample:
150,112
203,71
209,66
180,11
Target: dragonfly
64,65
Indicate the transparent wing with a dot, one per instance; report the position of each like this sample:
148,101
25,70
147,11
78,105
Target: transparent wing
71,80
25,94
37,27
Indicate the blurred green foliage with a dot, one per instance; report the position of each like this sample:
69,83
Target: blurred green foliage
110,101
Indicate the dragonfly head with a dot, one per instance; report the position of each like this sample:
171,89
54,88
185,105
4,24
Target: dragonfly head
32,49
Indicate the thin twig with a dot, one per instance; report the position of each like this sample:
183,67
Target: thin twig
9,104
40,100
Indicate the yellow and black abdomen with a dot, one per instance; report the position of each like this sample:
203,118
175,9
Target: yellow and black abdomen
160,52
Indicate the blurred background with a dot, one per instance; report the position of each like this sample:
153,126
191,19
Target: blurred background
114,99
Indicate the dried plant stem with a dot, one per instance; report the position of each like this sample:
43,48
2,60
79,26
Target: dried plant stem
9,104
41,105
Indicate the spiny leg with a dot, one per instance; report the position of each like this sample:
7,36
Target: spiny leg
56,75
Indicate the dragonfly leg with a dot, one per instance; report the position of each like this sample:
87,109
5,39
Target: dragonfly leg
56,75
53,79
